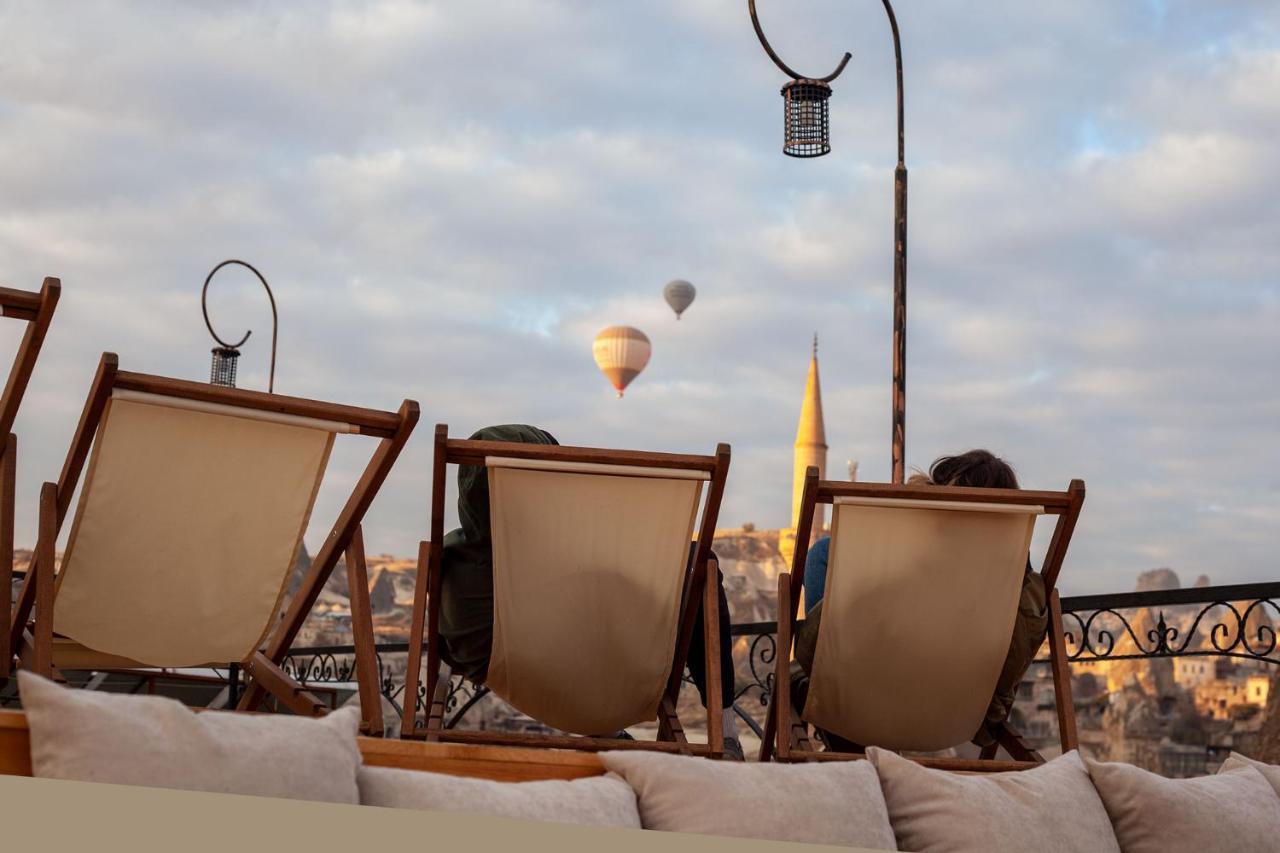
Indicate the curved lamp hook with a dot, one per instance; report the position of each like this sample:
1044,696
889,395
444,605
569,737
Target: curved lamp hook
275,322
786,69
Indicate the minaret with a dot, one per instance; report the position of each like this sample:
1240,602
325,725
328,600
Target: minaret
811,446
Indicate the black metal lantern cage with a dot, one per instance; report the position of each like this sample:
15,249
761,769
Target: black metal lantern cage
222,370
807,118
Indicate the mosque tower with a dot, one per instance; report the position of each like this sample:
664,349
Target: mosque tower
811,446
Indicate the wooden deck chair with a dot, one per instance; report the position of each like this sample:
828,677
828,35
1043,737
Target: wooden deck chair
922,590
36,309
594,609
186,532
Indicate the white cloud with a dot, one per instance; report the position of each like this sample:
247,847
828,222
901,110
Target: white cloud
451,199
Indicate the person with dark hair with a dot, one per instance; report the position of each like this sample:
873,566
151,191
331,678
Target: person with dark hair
976,469
466,589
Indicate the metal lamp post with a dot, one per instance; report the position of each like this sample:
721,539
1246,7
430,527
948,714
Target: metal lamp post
807,134
222,371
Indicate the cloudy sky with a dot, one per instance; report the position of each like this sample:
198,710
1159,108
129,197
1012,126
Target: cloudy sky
450,199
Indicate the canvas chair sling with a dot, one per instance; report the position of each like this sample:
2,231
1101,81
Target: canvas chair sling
918,636
919,606
595,604
588,567
186,530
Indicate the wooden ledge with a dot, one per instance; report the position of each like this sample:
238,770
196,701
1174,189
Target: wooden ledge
500,763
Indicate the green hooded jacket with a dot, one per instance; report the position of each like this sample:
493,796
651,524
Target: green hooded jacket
466,576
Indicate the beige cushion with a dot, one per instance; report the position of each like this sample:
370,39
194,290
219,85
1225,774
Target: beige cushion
598,801
1049,809
1233,811
833,803
1236,761
148,740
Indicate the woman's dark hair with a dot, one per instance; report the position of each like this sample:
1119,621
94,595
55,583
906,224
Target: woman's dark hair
977,469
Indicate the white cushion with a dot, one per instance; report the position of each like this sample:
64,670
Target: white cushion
1229,812
88,736
1270,772
1052,808
597,801
829,803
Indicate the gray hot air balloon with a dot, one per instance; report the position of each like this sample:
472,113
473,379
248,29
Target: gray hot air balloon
679,295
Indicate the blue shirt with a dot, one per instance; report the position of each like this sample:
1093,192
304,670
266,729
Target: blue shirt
815,572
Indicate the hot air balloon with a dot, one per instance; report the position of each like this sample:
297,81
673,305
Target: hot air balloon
621,352
679,295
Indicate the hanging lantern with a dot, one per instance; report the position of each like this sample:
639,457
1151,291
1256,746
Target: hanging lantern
808,122
806,119
226,356
223,369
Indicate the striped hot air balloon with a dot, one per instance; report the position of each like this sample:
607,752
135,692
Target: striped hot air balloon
621,352
679,295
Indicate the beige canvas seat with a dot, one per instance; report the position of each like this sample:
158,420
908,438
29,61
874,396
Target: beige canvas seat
922,590
182,543
593,606
36,310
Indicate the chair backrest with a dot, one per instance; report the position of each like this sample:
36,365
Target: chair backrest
588,568
36,309
919,606
187,528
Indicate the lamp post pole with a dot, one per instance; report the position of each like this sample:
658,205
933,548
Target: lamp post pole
806,138
899,272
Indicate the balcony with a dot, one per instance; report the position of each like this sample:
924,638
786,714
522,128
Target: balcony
1196,662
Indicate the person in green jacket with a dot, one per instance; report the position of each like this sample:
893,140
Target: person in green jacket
977,469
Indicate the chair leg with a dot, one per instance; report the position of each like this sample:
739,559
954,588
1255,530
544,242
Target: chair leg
8,473
1061,668
438,687
670,729
799,733
27,657
711,630
286,691
367,673
669,726
782,669
42,661
417,630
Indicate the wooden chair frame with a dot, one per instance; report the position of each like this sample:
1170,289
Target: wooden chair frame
698,592
37,310
786,736
34,640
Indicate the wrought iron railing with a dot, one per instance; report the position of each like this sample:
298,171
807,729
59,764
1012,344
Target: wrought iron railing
1237,621
1222,621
